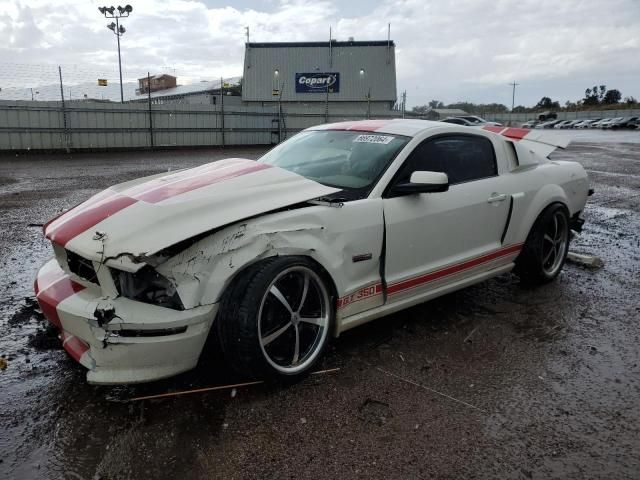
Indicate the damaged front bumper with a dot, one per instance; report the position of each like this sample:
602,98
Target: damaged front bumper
139,342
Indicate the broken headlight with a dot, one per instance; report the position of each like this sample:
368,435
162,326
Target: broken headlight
148,286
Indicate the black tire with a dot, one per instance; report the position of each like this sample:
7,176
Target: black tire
258,329
542,257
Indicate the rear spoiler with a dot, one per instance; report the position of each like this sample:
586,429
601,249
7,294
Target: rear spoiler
537,141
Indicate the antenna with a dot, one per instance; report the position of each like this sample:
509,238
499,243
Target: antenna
389,43
330,53
247,30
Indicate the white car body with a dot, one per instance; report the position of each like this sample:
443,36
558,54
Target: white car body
382,254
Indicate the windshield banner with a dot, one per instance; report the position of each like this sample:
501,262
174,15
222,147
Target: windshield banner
318,82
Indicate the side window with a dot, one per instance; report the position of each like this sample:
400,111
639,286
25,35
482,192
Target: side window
462,157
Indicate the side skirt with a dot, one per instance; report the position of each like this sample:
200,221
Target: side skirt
387,309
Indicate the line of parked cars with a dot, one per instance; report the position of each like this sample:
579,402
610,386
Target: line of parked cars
603,123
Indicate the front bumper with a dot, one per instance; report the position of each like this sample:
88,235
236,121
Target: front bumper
140,343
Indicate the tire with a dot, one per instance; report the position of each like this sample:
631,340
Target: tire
546,247
275,319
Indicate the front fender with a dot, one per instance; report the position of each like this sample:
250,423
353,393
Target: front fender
331,236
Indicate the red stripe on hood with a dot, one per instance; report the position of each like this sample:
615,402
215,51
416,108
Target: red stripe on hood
103,205
50,295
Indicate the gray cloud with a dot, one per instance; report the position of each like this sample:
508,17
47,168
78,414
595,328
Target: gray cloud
446,49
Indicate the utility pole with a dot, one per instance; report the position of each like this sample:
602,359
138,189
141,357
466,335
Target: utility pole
404,103
513,101
118,30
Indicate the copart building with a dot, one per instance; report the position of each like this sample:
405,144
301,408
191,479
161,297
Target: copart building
341,77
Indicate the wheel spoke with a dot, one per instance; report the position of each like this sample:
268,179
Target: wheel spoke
319,321
276,293
548,256
305,290
272,336
296,350
555,226
548,238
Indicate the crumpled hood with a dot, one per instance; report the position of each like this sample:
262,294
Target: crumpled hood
144,216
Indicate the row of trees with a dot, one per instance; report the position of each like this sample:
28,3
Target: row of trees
594,98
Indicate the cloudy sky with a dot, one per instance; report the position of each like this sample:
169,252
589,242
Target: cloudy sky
445,49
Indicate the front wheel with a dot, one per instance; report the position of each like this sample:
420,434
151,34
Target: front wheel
275,319
545,250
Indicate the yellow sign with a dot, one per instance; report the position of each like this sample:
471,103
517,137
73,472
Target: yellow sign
226,85
276,92
102,82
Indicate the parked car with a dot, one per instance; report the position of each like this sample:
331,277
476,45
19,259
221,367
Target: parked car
458,121
624,122
337,226
530,124
563,124
599,122
546,116
635,124
607,124
587,123
549,124
475,120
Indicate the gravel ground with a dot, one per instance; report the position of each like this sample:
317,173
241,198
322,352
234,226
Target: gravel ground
494,381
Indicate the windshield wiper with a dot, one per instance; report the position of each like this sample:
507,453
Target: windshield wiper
329,201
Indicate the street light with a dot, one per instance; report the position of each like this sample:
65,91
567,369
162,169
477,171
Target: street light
118,30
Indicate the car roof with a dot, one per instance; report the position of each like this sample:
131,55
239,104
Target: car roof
395,126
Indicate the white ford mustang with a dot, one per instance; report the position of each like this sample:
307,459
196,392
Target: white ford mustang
341,224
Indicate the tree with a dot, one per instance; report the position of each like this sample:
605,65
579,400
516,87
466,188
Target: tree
436,104
630,100
546,103
612,97
420,109
519,109
591,96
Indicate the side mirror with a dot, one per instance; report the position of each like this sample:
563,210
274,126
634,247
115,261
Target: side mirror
422,182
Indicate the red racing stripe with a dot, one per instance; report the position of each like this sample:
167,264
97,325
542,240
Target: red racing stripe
84,217
74,346
107,203
516,133
493,128
51,294
438,274
157,191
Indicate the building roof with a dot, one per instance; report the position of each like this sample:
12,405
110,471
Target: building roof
191,89
334,43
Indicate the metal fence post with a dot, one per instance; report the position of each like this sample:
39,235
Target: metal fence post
65,134
222,109
150,112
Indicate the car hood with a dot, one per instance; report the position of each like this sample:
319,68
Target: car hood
144,216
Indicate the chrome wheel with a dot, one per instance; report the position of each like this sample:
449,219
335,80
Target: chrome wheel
554,243
293,320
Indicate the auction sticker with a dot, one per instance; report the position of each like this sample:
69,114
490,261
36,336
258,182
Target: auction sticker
384,139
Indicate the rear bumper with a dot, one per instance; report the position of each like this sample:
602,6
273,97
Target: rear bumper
141,343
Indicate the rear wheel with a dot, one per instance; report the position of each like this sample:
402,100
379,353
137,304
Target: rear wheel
545,250
276,318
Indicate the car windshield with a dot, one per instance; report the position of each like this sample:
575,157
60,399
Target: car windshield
342,159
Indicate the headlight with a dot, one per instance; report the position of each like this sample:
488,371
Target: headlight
148,286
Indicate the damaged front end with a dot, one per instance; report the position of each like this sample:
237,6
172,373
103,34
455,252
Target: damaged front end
124,327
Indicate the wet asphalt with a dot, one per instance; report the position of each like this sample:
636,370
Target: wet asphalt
494,381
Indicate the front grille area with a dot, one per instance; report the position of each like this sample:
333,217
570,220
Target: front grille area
81,267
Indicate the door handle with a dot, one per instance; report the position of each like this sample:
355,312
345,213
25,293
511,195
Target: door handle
497,197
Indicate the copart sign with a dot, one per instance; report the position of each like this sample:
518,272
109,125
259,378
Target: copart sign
318,82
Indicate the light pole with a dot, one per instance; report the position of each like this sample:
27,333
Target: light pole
118,30
513,101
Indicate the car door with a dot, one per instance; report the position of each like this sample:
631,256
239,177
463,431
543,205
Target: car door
433,239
